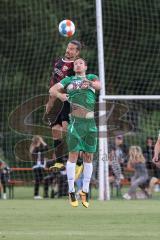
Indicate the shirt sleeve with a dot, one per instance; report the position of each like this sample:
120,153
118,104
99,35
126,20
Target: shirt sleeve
92,77
65,81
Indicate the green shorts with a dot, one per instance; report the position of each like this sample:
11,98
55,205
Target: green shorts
82,135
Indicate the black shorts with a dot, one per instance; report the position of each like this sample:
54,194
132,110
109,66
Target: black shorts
59,114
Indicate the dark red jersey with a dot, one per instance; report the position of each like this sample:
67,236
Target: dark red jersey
61,69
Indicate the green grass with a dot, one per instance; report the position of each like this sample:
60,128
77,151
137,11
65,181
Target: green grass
22,219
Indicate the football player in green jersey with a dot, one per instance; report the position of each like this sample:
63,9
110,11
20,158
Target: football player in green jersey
82,131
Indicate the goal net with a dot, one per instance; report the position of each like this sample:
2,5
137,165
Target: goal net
131,73
131,47
128,122
29,42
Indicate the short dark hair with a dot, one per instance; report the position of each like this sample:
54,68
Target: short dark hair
119,134
149,138
77,43
82,59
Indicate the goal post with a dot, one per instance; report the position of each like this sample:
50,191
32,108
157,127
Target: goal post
104,192
131,97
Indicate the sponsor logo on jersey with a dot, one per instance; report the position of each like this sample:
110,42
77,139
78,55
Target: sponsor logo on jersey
75,85
65,68
58,72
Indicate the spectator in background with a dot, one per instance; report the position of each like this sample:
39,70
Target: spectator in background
120,150
115,172
4,177
148,154
137,163
37,149
48,180
152,168
56,177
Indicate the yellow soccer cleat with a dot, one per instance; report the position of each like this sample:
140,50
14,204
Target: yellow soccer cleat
84,199
57,167
73,200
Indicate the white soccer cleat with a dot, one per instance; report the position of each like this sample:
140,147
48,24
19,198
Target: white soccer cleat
127,196
37,197
4,196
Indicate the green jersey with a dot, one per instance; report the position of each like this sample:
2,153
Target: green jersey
82,97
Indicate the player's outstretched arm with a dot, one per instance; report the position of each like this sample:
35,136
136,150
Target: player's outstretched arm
50,104
156,151
56,91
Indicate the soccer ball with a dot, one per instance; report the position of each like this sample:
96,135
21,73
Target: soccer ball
66,28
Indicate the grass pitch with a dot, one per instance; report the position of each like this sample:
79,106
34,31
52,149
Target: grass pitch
57,220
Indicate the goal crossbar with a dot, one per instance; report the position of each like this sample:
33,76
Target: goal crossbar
130,97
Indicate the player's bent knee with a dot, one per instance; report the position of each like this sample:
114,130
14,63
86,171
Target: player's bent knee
88,157
73,156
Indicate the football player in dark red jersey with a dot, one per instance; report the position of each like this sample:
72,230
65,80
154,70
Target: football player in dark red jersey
58,120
